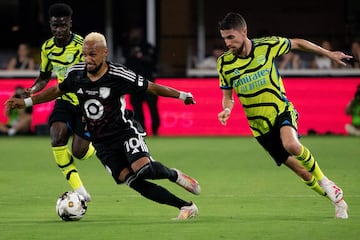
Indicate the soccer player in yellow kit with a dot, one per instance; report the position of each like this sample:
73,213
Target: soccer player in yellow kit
248,68
57,54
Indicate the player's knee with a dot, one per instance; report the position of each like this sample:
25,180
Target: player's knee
146,172
58,140
59,136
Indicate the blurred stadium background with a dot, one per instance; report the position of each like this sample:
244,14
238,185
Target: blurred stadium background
184,30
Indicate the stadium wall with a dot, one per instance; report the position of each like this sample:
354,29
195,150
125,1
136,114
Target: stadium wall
321,102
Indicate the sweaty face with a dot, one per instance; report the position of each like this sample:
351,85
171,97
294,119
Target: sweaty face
60,28
94,55
234,40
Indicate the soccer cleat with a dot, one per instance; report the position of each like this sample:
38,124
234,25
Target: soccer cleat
332,191
341,210
187,182
188,212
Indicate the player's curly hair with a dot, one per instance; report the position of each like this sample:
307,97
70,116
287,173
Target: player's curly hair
60,10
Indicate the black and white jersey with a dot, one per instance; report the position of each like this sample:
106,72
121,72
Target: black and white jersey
103,101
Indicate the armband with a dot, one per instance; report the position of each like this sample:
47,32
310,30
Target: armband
28,102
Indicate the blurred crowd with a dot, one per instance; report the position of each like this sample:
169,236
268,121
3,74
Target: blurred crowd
23,58
301,60
28,58
292,60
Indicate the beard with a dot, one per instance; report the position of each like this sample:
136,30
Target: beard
94,70
239,51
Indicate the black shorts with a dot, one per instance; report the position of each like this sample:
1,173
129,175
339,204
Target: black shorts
70,114
121,152
271,141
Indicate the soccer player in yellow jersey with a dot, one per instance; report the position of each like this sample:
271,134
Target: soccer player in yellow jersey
248,69
57,54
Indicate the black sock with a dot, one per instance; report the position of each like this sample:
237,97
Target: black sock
157,193
156,170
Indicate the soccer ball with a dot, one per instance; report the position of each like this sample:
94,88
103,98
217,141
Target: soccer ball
71,206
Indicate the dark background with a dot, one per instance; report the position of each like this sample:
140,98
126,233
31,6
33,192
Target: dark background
176,22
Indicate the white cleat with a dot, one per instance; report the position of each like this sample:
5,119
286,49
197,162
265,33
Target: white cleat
188,212
341,210
333,192
187,182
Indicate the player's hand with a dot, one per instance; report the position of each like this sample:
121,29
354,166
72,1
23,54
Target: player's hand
339,57
28,92
223,116
187,97
14,103
189,100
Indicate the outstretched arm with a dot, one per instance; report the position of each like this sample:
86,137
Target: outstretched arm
45,96
166,91
307,46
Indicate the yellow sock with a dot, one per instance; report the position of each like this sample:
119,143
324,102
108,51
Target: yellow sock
89,153
66,163
307,160
314,185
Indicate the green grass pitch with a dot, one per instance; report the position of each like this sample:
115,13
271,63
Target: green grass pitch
244,194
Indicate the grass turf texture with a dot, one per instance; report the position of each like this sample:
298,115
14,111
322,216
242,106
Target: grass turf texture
244,195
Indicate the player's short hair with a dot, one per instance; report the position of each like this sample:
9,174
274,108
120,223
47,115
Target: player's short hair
232,21
96,37
60,10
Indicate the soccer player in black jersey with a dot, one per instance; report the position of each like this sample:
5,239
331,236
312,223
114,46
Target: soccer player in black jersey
57,54
248,68
100,87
